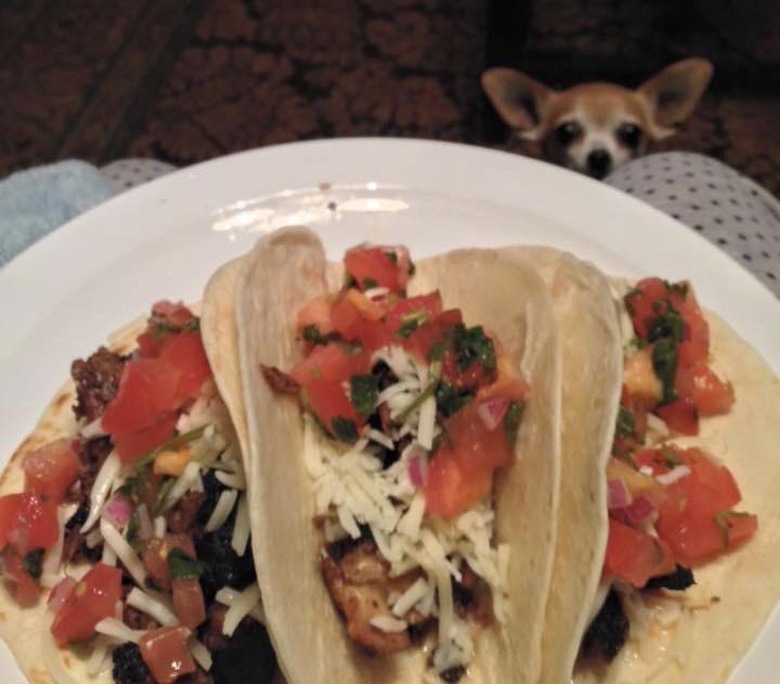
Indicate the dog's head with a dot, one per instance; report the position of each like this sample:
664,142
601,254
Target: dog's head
596,127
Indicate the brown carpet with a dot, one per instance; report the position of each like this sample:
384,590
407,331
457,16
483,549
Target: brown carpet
188,80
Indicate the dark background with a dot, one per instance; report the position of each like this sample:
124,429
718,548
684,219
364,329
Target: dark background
188,80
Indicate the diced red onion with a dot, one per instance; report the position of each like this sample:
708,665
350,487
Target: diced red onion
492,412
418,470
118,510
640,510
60,592
618,495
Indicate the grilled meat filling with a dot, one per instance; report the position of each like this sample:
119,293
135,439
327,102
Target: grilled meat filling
608,632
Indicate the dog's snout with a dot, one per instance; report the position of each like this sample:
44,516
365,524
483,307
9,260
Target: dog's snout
599,162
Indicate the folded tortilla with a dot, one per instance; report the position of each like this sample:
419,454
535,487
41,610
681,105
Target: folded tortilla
25,630
286,270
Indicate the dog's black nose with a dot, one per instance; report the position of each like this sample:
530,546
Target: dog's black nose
599,163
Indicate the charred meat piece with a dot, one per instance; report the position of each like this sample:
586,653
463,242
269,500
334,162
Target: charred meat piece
359,583
183,517
129,667
608,632
679,580
97,382
92,453
279,381
74,547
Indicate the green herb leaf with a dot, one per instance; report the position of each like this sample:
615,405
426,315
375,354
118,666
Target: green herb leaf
363,392
665,366
172,444
512,421
450,400
671,459
344,429
472,345
680,288
411,321
162,496
33,563
369,283
436,352
667,323
183,566
625,423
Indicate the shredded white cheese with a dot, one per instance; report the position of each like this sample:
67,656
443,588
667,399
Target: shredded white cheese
386,623
240,608
676,473
227,499
153,606
200,653
240,537
124,551
101,489
118,630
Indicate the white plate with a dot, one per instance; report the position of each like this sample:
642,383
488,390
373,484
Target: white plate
62,297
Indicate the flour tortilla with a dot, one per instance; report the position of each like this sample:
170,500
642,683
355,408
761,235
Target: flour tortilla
746,580
592,375
26,630
287,269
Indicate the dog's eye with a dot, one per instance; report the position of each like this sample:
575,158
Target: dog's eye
567,132
630,135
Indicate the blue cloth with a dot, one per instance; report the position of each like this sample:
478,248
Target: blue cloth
34,202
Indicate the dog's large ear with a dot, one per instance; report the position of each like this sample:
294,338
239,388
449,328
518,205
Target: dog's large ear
673,93
519,100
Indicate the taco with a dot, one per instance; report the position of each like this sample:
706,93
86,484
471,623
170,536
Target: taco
686,580
124,522
394,547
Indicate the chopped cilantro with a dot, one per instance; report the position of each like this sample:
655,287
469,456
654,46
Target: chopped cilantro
344,429
311,333
411,321
449,400
473,345
363,392
665,366
436,352
33,563
680,288
625,423
183,566
667,323
369,283
512,421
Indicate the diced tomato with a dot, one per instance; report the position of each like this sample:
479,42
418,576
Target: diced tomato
651,297
634,556
185,351
50,471
25,587
316,312
93,598
680,416
694,540
378,267
27,522
165,652
451,488
505,387
132,445
60,593
422,308
329,401
704,389
476,445
155,556
175,313
149,344
332,361
188,602
355,317
148,388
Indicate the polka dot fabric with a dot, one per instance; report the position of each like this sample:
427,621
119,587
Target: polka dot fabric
728,209
127,173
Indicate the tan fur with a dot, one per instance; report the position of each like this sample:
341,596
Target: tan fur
597,111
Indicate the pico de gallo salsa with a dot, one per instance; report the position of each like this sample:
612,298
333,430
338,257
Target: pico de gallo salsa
418,410
137,525
671,509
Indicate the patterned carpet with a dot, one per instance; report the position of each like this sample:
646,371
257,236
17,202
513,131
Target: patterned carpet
188,80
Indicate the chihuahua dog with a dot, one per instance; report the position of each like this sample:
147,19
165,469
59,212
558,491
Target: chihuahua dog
596,127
